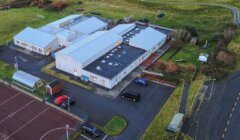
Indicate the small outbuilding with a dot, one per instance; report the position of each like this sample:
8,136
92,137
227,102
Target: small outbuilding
176,122
203,58
54,87
26,80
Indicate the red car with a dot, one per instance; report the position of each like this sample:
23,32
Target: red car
60,99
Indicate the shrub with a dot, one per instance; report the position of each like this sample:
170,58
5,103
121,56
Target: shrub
58,5
225,58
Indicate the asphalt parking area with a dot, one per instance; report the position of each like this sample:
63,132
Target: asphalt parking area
22,117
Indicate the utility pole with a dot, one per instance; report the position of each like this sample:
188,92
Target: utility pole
16,63
67,134
68,104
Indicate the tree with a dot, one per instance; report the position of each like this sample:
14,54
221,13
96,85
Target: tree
58,4
190,68
176,44
225,58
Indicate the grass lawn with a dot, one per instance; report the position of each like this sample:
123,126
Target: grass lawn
115,126
6,71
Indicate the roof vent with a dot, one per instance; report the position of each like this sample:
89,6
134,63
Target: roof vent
124,52
116,64
110,64
119,55
111,54
112,51
103,61
115,49
119,47
98,68
107,56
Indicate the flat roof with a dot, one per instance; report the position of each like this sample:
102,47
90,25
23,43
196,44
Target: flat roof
91,46
115,61
147,38
35,37
89,25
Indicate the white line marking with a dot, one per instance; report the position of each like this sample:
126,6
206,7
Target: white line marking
26,124
13,113
105,137
50,131
85,137
8,99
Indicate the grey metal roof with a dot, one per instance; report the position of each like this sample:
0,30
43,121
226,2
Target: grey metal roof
91,46
25,78
35,37
115,61
147,38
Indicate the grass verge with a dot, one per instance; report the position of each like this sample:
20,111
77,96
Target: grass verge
157,129
48,70
115,126
6,71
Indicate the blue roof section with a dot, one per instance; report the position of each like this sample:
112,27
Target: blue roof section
122,28
115,61
35,37
89,25
147,38
91,46
25,78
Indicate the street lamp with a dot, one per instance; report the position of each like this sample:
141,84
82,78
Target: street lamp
67,134
68,104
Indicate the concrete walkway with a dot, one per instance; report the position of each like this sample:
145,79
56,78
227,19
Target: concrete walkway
183,105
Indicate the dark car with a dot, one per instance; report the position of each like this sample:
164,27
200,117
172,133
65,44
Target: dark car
65,104
91,130
131,96
141,81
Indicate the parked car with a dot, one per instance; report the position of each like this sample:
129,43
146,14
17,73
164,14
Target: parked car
60,99
131,96
141,81
91,130
64,105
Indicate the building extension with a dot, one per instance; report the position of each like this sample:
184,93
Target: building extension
61,33
106,57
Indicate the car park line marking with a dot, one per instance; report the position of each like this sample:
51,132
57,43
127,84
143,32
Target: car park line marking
105,137
85,137
26,124
13,113
9,99
50,131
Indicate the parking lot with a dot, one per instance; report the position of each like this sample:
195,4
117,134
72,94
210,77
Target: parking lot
22,117
101,109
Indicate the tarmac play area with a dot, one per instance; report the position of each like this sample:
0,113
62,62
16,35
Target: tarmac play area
24,118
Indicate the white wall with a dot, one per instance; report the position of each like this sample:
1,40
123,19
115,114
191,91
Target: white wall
43,51
67,64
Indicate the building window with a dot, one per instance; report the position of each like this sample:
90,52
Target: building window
40,50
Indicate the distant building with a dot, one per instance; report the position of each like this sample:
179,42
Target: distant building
26,80
60,33
106,57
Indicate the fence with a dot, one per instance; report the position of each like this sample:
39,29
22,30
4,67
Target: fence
8,83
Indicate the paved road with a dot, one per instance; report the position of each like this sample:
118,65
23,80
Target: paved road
214,114
183,104
235,10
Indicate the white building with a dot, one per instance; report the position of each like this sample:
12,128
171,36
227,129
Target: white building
60,33
36,41
106,57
